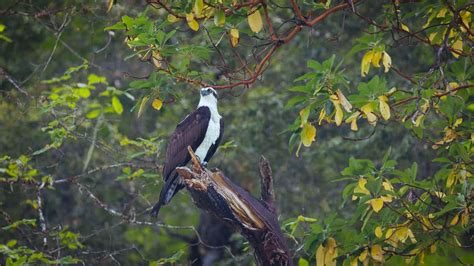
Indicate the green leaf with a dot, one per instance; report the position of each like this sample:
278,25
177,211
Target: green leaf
83,92
93,114
173,259
117,105
12,243
451,107
116,26
128,21
93,79
219,18
303,262
314,65
295,100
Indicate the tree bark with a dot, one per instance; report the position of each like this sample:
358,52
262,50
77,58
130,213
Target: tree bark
255,218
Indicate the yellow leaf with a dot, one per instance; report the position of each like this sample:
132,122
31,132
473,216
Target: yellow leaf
405,27
466,19
331,252
157,104
354,125
234,36
433,248
320,252
376,253
354,262
343,100
308,134
234,33
363,255
372,119
387,185
412,236
156,59
378,232
439,194
198,6
367,110
172,18
376,204
339,114
255,21
365,64
110,4
384,107
386,198
360,188
418,120
457,45
331,244
322,115
192,23
361,183
389,233
402,234
421,258
452,33
455,220
376,58
325,255
442,13
386,61
425,106
457,122
142,105
451,179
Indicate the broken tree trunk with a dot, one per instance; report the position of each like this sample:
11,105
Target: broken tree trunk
255,218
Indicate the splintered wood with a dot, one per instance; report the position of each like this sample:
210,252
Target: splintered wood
255,218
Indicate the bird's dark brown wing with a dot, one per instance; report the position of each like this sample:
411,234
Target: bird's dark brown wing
190,132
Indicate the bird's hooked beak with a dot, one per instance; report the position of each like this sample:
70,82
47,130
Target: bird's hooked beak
207,91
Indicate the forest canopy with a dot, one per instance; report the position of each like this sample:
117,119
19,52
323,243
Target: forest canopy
363,110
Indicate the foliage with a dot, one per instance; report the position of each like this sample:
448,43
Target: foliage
384,106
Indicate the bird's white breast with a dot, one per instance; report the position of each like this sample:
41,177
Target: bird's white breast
212,134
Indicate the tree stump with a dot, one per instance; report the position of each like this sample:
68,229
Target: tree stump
255,218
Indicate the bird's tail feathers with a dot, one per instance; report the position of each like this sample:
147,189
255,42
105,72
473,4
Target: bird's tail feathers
167,192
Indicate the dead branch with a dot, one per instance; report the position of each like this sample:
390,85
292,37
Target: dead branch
256,219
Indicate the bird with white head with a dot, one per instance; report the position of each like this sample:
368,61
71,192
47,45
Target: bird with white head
202,130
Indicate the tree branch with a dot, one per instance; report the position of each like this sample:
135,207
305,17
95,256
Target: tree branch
257,222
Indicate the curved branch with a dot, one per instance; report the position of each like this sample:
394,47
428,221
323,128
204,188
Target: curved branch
277,41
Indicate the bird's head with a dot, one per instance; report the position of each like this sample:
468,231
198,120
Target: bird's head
208,92
208,95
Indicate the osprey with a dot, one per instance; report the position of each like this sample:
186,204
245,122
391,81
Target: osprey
202,130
